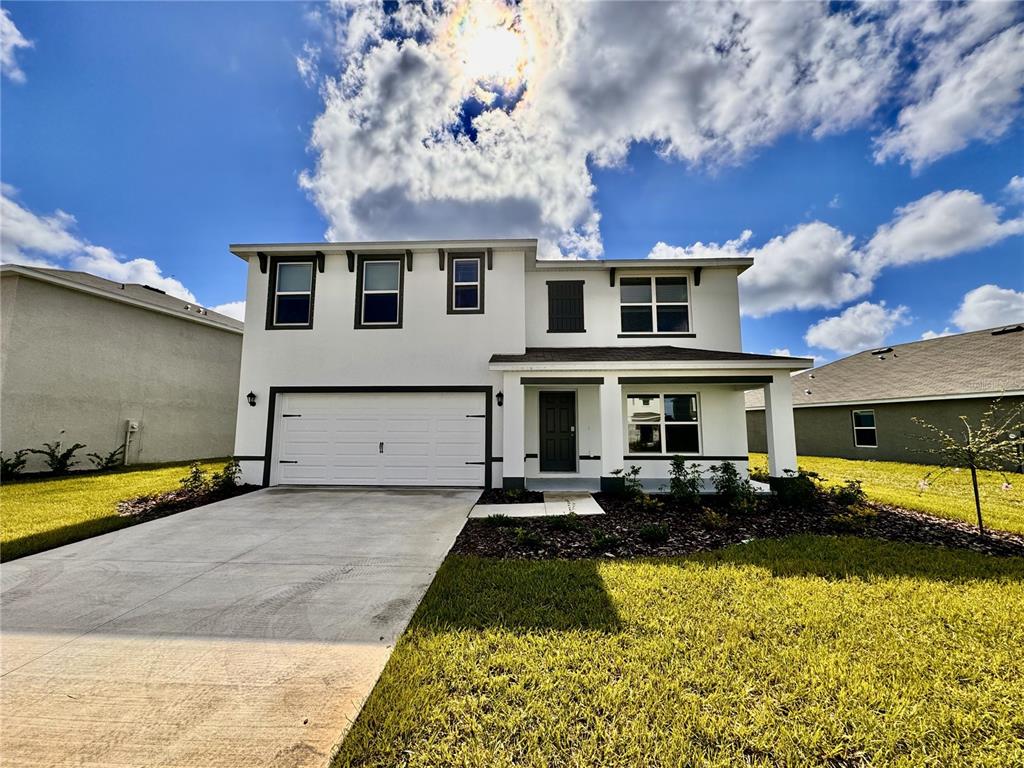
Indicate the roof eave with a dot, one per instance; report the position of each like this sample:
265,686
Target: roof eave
245,250
786,364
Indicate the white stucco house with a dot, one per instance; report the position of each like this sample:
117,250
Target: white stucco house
473,363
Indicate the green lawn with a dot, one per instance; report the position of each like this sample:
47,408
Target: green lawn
950,496
42,514
836,652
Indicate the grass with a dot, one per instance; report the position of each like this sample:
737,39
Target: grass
950,496
36,515
837,652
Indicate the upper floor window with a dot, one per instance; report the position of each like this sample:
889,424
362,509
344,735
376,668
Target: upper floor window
465,283
663,424
379,292
654,305
565,306
292,286
864,433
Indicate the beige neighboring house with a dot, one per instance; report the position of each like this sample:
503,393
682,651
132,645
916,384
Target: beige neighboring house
111,362
863,406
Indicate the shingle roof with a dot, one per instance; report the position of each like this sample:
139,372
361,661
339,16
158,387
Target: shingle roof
967,363
629,355
139,293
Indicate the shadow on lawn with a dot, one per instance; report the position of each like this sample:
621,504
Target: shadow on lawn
58,537
477,593
844,557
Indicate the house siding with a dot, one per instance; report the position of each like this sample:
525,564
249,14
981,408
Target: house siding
84,364
828,431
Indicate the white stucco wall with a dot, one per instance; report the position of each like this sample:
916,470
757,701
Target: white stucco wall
714,310
84,364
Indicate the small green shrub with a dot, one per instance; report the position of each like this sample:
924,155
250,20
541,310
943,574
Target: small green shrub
602,541
227,479
798,489
570,522
59,459
853,519
527,537
499,521
113,459
632,487
12,466
514,495
713,519
654,534
734,492
849,494
196,480
686,481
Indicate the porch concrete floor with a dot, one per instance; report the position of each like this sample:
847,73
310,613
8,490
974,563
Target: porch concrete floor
555,503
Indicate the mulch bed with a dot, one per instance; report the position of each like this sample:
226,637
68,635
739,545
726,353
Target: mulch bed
502,496
178,500
630,530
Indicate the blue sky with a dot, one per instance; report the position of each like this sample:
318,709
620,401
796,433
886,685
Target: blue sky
169,130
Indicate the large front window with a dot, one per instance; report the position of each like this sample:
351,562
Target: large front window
666,424
292,302
654,305
381,293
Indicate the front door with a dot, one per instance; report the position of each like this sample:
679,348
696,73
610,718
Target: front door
557,431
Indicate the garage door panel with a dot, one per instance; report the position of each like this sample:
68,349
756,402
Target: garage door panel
429,439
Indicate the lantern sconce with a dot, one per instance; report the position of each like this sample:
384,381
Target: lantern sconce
251,397
500,397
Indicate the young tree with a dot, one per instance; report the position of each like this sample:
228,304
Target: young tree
992,444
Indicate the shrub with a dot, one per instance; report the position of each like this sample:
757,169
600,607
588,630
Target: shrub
527,537
713,519
11,467
196,480
631,484
797,489
734,492
654,534
853,519
602,541
498,521
570,522
849,494
514,495
686,482
59,459
113,459
227,478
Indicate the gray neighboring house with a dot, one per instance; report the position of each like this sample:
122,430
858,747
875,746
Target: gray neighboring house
861,407
108,362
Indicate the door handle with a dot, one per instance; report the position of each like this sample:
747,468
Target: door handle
572,429
380,447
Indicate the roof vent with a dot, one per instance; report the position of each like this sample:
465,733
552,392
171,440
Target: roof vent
881,351
810,375
154,290
1008,329
807,391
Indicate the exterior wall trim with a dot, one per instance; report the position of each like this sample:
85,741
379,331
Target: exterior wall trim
921,399
562,380
695,379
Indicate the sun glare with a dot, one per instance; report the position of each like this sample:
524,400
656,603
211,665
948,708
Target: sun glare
487,46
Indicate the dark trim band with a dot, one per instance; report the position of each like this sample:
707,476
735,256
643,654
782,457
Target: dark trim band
561,380
687,456
657,335
695,379
249,458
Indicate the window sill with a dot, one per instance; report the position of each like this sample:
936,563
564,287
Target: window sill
581,330
289,327
657,335
670,456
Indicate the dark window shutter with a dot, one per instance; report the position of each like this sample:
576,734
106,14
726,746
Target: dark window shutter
565,306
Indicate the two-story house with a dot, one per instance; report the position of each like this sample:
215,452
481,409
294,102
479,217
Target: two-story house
473,363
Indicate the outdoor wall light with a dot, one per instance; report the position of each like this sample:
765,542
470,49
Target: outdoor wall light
500,397
251,397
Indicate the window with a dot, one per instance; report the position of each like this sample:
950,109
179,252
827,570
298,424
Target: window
565,306
465,283
665,424
292,284
379,292
654,305
864,434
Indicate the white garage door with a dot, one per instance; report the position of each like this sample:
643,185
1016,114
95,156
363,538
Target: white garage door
421,438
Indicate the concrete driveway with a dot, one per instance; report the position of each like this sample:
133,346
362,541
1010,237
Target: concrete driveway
244,633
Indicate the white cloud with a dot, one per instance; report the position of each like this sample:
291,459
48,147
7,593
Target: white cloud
835,202
940,225
781,351
989,306
47,241
235,309
11,40
1015,189
556,87
308,63
858,327
930,334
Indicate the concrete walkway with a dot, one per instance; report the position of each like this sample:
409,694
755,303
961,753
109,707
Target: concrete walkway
555,503
244,633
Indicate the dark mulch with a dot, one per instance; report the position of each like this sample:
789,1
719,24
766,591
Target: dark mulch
178,500
513,496
630,530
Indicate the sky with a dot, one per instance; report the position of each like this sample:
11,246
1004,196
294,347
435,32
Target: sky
867,157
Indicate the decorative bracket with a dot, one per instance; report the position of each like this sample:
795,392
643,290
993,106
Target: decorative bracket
320,260
490,259
440,259
696,275
263,261
351,260
611,277
408,260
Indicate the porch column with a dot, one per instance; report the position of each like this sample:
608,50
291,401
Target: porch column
513,419
611,432
778,416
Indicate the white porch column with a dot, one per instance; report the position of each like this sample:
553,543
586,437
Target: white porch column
611,427
513,446
778,416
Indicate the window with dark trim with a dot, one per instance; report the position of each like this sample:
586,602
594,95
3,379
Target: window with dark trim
380,283
864,433
662,424
465,283
292,289
654,304
565,306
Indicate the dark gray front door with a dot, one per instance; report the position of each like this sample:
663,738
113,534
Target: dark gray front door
558,431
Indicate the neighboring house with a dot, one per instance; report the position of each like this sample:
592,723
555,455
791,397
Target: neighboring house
471,363
107,363
862,407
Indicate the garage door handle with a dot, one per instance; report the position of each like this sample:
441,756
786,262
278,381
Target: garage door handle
381,447
284,461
